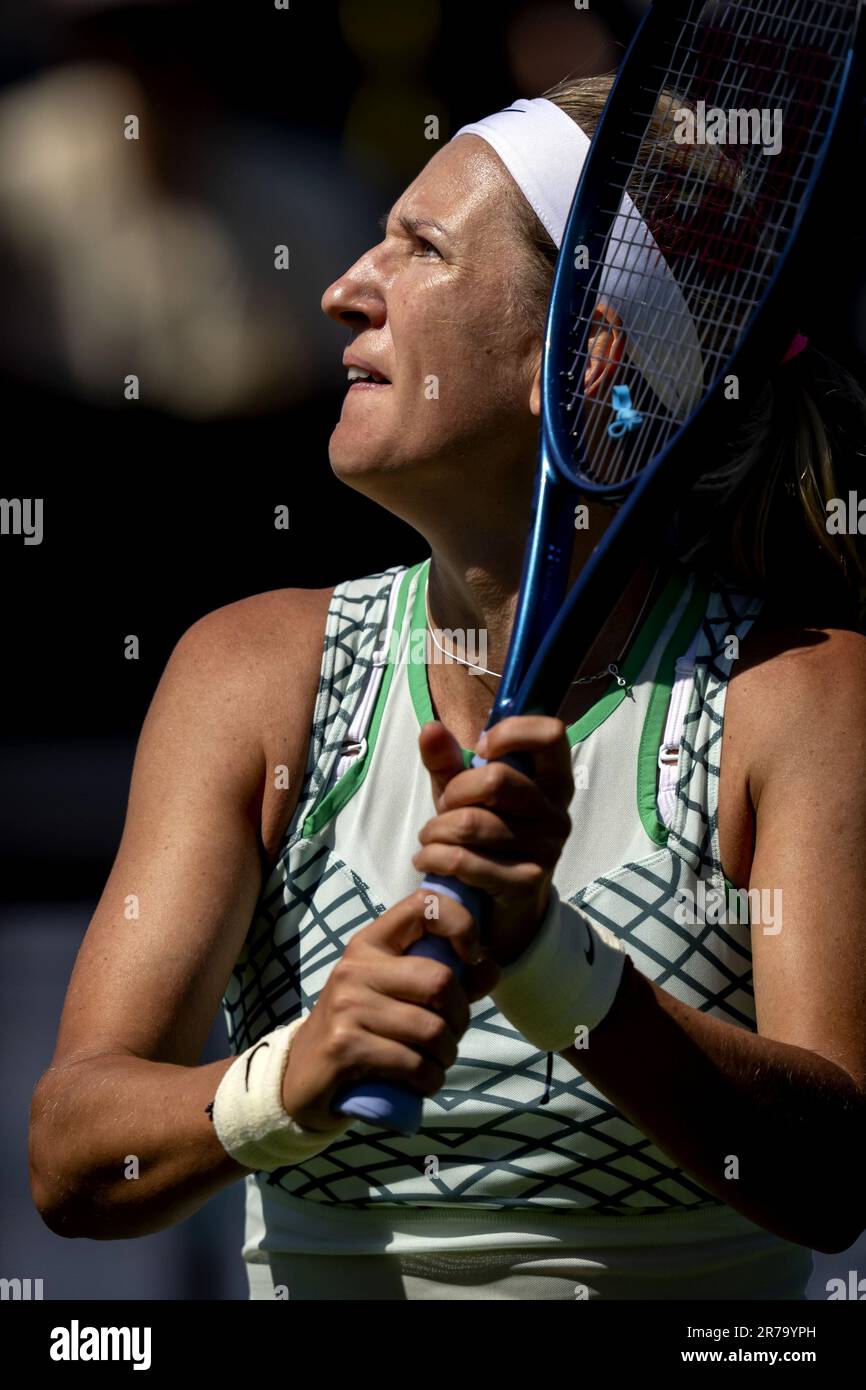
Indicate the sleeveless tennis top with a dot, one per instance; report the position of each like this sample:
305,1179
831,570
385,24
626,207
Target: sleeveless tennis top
518,1148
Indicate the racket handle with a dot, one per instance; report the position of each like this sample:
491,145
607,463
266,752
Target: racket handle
385,1103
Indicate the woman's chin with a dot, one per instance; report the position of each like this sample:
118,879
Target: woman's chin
354,460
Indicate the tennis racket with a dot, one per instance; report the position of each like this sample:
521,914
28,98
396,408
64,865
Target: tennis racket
734,225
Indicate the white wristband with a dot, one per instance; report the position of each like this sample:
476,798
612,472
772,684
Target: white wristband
249,1117
567,978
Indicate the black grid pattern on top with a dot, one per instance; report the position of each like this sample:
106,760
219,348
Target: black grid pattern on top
505,1134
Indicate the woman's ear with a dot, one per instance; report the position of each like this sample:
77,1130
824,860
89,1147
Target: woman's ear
535,391
605,351
605,348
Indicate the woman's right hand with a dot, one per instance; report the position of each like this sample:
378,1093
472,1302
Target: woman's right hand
383,1013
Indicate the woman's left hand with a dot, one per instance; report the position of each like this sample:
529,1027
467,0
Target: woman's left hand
497,829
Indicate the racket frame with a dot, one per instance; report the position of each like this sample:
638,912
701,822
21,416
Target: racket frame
550,634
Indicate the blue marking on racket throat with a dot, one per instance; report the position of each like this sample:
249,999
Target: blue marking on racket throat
627,418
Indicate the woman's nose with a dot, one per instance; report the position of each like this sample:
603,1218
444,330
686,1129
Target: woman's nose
354,300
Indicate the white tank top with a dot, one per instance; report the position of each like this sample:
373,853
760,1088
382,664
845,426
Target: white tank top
517,1149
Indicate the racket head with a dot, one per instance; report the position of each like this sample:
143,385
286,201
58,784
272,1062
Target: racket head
674,247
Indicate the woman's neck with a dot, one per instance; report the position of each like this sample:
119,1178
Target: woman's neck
472,595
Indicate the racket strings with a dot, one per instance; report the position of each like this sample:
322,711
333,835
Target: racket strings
719,236
732,251
719,216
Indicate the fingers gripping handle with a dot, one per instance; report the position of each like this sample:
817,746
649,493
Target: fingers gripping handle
385,1103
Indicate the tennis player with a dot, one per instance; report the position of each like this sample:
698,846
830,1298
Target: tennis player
649,1085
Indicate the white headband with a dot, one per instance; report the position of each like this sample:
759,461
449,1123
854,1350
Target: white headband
544,151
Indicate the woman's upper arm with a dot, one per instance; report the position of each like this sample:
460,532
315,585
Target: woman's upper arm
235,698
810,850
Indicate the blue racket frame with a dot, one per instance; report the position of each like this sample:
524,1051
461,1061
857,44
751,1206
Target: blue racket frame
552,633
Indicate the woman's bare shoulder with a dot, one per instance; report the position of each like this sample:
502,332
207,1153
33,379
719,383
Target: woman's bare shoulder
257,617
269,642
799,694
801,659
262,654
794,731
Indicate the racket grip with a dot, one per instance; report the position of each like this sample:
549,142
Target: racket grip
384,1103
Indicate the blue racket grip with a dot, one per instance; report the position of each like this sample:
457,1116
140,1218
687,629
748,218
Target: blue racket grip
384,1103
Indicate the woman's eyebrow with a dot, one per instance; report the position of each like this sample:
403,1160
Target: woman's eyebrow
412,225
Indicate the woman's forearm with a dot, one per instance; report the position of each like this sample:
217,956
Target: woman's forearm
776,1131
121,1146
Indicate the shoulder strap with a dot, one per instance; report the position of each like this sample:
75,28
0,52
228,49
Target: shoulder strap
355,743
353,639
694,833
668,758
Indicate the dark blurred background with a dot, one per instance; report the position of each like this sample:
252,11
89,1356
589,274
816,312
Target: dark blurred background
154,256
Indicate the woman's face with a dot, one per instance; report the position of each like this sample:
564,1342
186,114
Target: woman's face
428,310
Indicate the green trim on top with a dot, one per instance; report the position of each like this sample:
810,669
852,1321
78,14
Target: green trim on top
353,777
419,690
634,662
604,706
656,715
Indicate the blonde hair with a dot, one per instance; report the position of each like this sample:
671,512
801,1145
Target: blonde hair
760,518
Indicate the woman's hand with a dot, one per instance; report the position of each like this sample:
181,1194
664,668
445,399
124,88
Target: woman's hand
497,829
382,1013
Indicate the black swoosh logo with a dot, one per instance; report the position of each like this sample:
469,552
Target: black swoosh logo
249,1060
